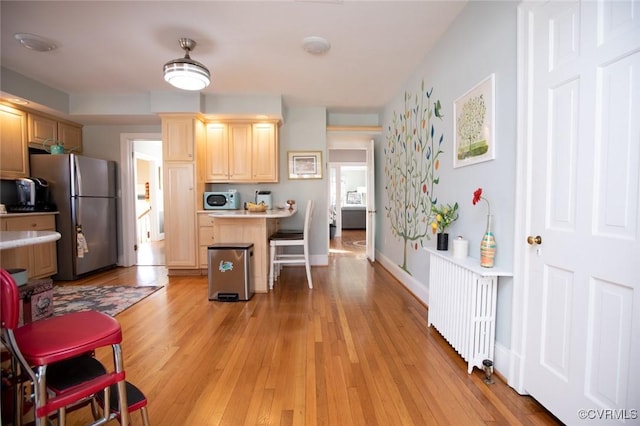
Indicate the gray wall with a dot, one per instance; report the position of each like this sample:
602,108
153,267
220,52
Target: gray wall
481,41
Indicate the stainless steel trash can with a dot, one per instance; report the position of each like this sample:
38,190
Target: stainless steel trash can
230,268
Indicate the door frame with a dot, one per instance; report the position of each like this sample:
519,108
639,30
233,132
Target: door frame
127,194
524,174
356,140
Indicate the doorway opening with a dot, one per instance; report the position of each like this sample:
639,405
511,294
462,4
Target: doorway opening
348,204
351,189
149,203
142,224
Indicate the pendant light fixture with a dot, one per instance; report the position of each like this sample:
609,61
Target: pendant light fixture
185,73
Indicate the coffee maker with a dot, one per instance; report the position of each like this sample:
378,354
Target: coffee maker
26,192
33,196
43,202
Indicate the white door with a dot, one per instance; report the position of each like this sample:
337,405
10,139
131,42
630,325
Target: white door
371,204
582,357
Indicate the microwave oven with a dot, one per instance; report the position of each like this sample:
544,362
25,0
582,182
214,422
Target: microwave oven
222,200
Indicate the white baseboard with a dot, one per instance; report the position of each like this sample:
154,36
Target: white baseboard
417,288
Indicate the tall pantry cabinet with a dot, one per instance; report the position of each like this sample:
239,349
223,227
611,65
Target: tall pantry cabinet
181,135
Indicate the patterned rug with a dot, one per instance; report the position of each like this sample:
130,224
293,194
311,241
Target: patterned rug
108,299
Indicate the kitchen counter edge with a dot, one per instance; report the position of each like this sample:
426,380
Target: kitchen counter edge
245,214
27,214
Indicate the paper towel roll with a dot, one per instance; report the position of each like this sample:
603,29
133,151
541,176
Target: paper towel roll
460,248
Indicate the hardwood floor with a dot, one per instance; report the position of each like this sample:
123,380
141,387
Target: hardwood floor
151,253
355,350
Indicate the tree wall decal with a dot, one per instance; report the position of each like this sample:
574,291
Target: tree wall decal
411,163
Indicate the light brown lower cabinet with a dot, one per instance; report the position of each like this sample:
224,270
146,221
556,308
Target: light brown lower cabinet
40,260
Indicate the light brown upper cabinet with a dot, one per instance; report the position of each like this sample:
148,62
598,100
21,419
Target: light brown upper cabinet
46,129
14,161
241,152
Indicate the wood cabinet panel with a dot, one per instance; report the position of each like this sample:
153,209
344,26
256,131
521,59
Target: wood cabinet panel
47,129
216,156
181,134
178,138
70,136
180,215
264,152
206,237
241,152
30,223
41,129
14,161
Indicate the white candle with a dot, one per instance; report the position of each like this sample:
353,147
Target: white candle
460,247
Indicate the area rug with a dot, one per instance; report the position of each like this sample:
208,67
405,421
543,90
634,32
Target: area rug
108,299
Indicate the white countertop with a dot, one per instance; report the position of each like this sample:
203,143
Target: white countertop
13,239
245,214
471,264
7,215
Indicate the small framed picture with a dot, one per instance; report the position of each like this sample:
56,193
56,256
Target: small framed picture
473,125
305,164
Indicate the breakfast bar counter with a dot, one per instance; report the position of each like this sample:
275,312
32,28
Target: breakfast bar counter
245,214
242,226
15,239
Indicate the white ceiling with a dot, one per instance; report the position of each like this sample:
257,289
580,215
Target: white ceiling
107,47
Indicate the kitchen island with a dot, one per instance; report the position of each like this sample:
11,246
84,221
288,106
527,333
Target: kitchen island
242,226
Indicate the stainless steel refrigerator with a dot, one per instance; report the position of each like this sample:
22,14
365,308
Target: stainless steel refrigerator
84,192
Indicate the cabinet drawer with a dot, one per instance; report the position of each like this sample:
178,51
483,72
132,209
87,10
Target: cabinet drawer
31,223
205,220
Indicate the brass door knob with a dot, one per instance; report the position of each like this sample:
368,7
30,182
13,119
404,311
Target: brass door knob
534,240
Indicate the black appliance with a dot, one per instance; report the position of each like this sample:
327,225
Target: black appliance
33,196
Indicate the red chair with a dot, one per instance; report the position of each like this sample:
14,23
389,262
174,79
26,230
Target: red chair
42,343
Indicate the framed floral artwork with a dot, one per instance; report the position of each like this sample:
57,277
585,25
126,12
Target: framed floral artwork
474,123
305,164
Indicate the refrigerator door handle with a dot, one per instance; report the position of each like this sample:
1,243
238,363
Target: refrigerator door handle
78,211
76,167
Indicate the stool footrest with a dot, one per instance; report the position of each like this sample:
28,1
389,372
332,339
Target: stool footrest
135,398
72,394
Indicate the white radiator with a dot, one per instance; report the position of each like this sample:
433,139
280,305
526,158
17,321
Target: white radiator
462,307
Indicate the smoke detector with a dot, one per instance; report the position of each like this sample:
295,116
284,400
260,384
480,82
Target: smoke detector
316,45
35,42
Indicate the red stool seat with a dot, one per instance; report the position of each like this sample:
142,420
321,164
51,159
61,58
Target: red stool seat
58,338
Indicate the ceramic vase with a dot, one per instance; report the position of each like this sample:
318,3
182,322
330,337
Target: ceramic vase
443,241
488,246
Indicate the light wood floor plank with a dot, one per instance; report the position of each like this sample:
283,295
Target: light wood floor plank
354,350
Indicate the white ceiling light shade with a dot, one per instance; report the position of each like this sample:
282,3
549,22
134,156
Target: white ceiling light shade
316,45
35,42
185,73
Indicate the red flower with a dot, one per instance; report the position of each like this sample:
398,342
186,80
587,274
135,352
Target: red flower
477,195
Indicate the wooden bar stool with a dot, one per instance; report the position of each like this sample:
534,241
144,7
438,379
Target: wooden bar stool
282,239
